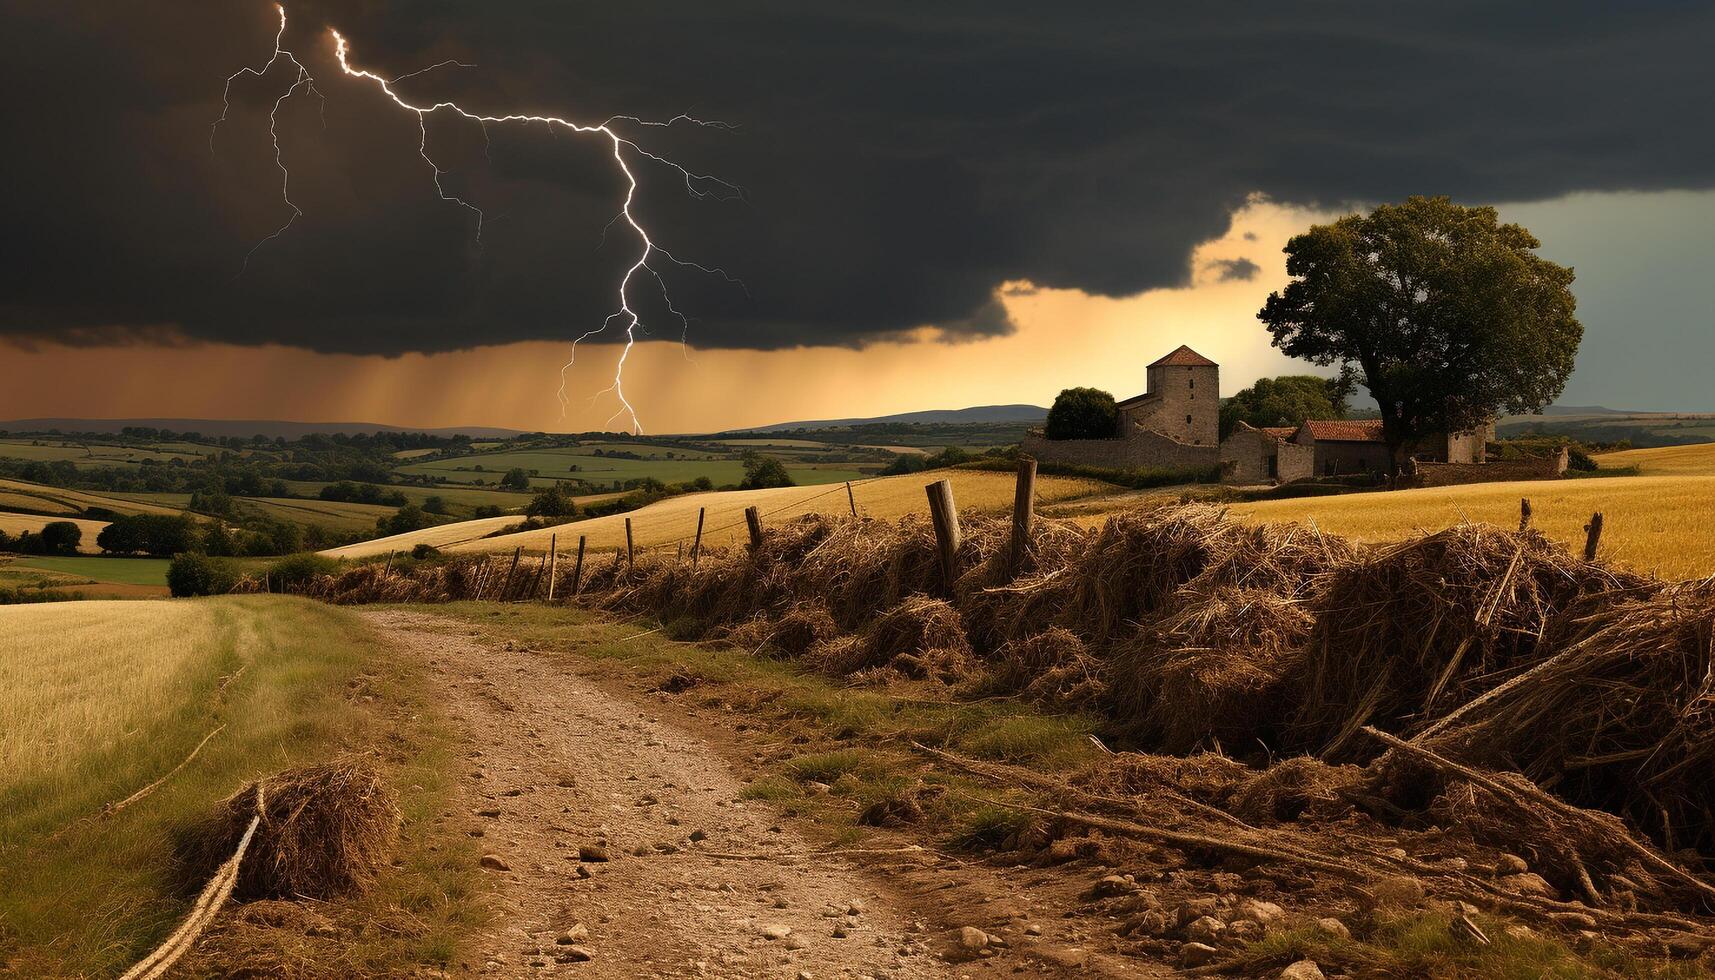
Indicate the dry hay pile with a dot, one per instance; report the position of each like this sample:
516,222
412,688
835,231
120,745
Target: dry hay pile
325,831
428,582
1420,627
1622,718
1299,787
1218,670
920,638
1053,668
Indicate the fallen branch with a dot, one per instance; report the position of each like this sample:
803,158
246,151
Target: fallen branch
1184,839
1541,798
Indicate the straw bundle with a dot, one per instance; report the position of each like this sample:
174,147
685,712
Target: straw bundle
1052,667
1622,719
1420,627
326,830
1215,671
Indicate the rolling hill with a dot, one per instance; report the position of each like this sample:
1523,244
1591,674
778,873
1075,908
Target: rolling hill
941,416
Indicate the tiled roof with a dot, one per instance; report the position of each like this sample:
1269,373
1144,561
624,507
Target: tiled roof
1184,357
1281,431
1341,430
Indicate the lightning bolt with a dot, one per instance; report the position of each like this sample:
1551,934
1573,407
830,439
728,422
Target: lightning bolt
697,185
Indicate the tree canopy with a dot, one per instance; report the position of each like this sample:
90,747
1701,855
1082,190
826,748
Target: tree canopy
1289,399
1082,413
763,471
1450,315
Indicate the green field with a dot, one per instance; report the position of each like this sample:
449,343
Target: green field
125,571
104,698
95,454
558,464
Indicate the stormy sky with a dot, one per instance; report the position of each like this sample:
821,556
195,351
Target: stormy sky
899,161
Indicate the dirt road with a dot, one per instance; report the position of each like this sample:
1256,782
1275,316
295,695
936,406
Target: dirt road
621,847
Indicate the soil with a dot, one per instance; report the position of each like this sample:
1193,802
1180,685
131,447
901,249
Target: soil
567,766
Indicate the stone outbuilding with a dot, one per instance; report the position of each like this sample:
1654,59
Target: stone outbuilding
1174,424
1252,455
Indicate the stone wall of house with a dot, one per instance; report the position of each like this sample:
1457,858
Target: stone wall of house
1446,474
1469,446
1245,455
1294,462
1346,458
1192,393
1142,449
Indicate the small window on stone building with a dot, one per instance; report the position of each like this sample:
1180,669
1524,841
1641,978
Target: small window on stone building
1191,382
1187,420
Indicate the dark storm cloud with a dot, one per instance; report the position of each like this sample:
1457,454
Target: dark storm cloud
1235,270
901,160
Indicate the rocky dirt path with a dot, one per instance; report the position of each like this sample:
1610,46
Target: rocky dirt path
621,848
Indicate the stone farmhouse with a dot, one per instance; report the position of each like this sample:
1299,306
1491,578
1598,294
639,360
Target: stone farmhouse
1176,424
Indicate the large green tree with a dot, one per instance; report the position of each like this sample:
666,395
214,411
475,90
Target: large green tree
1450,315
1287,400
1082,413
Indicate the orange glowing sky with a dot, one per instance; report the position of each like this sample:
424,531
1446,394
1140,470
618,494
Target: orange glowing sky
1064,338
1630,251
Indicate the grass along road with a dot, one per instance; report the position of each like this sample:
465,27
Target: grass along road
104,698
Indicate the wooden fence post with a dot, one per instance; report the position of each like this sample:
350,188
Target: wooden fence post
536,582
1523,514
506,586
753,517
578,569
1592,536
697,545
850,498
629,550
946,521
553,562
1023,513
389,569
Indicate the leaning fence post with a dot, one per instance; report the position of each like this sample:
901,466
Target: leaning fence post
1523,514
1023,513
628,547
553,563
697,545
946,522
578,569
753,517
506,586
1592,536
850,498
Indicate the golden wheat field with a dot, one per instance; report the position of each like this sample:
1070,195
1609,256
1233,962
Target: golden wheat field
440,536
664,523
1696,460
1660,524
15,524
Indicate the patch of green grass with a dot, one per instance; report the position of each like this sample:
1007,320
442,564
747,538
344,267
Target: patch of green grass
987,826
827,767
125,571
771,788
1425,945
1025,737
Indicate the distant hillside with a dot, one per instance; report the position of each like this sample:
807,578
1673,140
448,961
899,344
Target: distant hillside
245,427
980,415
